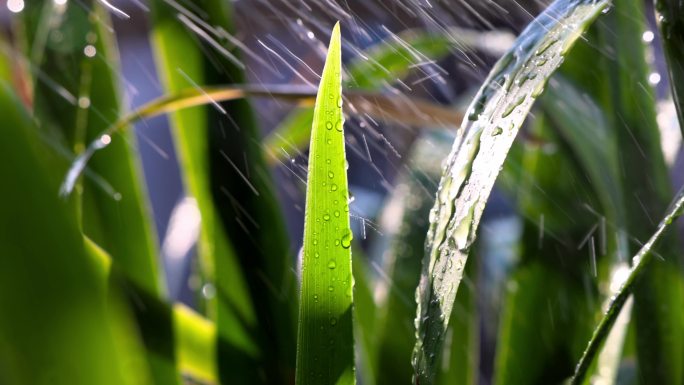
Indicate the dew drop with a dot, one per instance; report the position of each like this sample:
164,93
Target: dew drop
337,213
331,288
338,126
333,187
346,239
333,321
328,125
326,217
331,174
316,255
332,264
497,131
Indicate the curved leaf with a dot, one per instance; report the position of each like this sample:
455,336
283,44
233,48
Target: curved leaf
478,152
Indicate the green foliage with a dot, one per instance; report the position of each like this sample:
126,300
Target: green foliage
80,290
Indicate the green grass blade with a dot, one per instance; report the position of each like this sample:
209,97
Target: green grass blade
193,338
405,232
479,150
57,325
583,125
325,350
232,310
94,102
630,104
671,23
549,185
365,334
640,263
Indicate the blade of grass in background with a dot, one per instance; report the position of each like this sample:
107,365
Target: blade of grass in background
85,63
400,258
325,348
57,325
480,149
552,277
76,98
659,295
640,264
378,106
181,64
365,334
671,22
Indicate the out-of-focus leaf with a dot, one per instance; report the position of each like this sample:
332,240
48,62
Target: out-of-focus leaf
378,106
581,123
671,22
325,351
479,150
365,334
76,99
411,201
182,64
193,342
57,326
551,276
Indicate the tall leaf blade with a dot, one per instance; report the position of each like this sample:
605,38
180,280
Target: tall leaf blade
478,152
83,66
232,309
325,352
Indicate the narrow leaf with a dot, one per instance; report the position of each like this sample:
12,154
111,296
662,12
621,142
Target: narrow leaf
478,152
325,353
639,263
